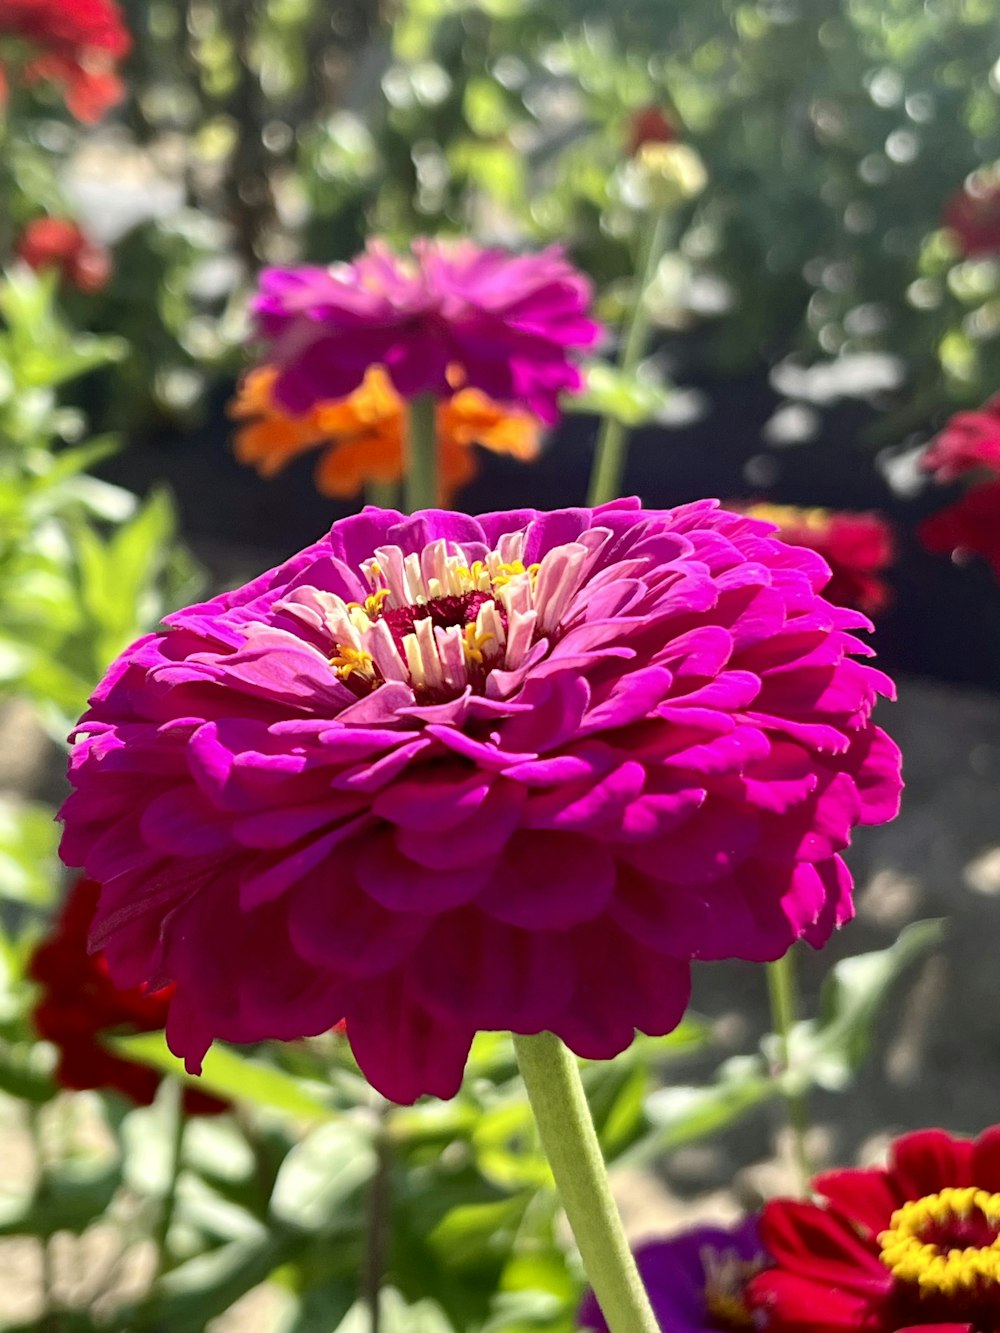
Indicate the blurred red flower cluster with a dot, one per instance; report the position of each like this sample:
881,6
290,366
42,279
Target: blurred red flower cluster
969,443
79,1004
61,244
858,547
75,44
972,215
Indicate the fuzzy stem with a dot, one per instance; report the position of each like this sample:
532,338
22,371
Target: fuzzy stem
173,1095
570,1143
612,437
784,1008
421,484
384,494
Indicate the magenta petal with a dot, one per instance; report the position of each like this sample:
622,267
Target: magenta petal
549,881
399,884
403,1051
340,928
499,977
289,839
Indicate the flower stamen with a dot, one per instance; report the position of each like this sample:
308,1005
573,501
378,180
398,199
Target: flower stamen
726,1277
947,1244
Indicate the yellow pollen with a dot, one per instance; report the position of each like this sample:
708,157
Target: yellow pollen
790,516
373,604
347,660
726,1276
473,644
934,1269
506,572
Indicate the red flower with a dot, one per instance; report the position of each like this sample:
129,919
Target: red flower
970,440
79,1003
60,243
914,1246
970,526
857,547
972,214
74,43
649,124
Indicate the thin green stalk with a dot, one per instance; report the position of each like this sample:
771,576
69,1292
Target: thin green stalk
421,484
377,1239
384,494
42,1188
612,436
173,1096
784,1014
570,1143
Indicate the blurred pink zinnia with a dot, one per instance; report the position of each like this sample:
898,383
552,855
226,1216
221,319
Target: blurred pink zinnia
969,441
439,774
450,316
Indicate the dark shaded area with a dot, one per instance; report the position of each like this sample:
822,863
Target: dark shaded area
944,622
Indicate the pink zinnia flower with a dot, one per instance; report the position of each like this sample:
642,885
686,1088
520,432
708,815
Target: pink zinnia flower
969,441
449,316
439,774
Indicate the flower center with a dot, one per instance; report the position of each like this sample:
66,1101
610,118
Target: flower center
441,620
726,1276
945,1248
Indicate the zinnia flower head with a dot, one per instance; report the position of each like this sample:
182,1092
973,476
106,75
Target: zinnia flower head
649,124
857,547
363,436
73,43
450,315
60,243
79,1003
972,214
914,1246
440,774
970,526
970,441
695,1281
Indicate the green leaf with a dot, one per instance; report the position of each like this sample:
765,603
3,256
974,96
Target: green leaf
69,1198
474,1232
682,1115
396,1316
29,866
319,1175
829,1051
629,399
206,1286
239,1078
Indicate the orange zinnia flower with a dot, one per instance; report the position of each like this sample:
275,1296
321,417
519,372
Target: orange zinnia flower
363,435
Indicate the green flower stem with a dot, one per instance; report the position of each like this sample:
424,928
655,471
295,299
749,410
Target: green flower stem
384,494
421,484
172,1093
612,437
784,1012
570,1143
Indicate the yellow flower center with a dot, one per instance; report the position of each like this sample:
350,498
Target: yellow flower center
726,1276
946,1244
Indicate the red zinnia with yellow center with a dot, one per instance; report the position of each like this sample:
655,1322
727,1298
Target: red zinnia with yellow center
363,436
915,1246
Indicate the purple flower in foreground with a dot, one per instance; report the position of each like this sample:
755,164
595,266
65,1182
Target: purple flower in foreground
695,1280
447,317
440,774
